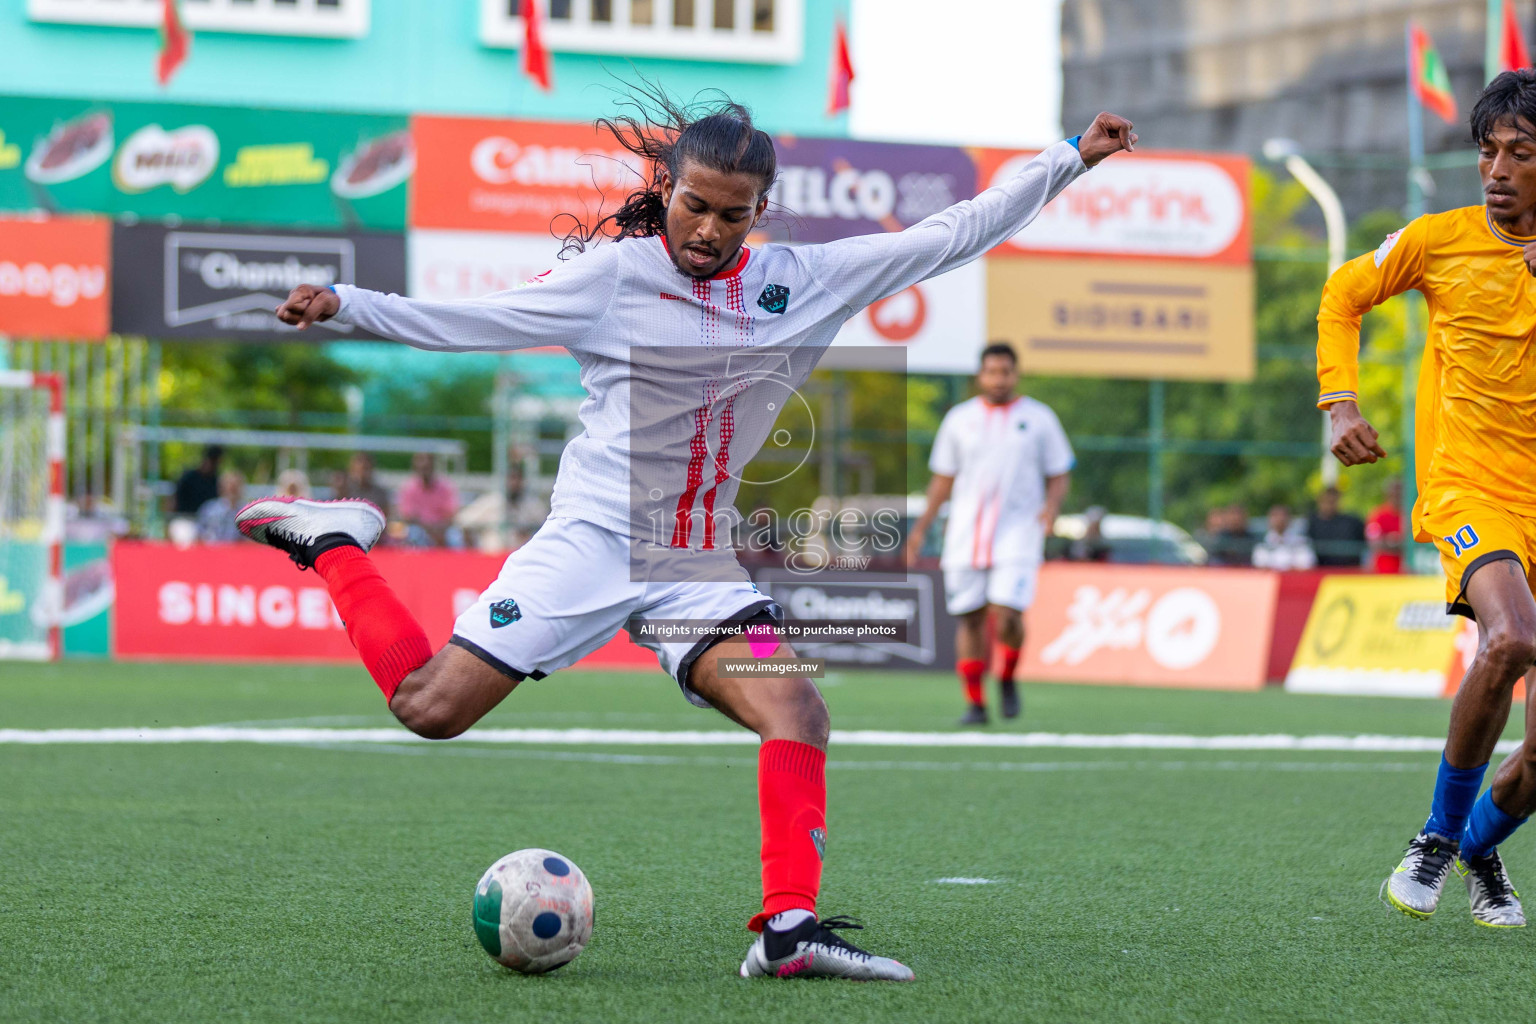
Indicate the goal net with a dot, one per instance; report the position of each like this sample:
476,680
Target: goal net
31,514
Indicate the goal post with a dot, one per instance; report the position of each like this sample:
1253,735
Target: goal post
31,515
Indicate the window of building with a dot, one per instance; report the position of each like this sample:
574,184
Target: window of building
336,18
748,31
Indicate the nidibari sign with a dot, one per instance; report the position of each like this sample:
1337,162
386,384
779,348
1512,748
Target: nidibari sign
225,283
54,279
1124,318
156,160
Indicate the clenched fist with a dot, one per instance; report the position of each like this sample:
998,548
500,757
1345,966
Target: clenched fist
308,304
1109,134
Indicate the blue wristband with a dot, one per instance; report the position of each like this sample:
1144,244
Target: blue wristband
1076,141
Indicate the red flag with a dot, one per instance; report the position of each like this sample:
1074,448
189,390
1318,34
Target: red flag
841,73
175,41
1427,76
1513,53
535,57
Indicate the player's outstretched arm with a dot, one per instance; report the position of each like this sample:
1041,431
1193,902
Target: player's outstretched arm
867,268
558,309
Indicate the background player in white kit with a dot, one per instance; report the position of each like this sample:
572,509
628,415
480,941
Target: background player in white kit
669,322
1003,463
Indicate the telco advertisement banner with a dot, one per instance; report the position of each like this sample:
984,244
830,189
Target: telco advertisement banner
157,160
54,277
225,283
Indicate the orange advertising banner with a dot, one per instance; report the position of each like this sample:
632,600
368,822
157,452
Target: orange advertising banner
493,174
1145,205
1151,626
53,277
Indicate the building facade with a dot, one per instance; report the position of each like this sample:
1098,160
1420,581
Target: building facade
443,56
1230,74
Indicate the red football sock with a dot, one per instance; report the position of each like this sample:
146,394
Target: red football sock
1007,662
792,798
389,638
971,670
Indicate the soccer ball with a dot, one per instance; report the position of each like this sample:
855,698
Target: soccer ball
533,911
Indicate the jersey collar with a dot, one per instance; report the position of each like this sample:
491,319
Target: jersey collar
1505,236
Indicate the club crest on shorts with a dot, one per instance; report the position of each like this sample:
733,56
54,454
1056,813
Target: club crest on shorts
819,840
504,613
775,298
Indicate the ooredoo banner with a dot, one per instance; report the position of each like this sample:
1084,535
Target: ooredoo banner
451,266
941,323
54,279
1147,205
1150,626
244,602
492,174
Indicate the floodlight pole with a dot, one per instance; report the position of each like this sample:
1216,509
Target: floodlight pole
1317,186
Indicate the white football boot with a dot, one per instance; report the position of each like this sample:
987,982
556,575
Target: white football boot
1415,886
813,949
305,528
1495,904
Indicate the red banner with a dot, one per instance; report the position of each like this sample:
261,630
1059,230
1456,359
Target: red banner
484,174
1151,626
53,277
242,602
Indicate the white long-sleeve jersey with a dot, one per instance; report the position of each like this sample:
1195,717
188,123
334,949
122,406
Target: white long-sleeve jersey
685,377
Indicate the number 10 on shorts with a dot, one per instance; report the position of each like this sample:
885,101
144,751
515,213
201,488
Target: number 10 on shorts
1462,539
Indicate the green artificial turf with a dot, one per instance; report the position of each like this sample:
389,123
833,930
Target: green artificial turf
205,882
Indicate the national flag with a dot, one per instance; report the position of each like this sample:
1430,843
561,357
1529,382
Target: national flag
841,75
535,57
1427,76
175,41
1513,53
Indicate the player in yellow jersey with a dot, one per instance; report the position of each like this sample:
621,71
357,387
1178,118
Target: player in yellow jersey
1475,437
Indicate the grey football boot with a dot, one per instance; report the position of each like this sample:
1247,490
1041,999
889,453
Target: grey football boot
1415,886
306,528
813,949
1495,904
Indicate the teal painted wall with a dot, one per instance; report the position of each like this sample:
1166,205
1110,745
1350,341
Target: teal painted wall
419,56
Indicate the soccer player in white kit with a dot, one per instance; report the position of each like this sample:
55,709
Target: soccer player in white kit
687,342
1003,463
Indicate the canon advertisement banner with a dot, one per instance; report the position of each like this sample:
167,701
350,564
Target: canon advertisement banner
834,188
533,177
54,281
1178,206
225,283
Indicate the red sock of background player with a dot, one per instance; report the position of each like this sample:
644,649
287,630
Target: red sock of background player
792,798
971,670
1007,662
390,640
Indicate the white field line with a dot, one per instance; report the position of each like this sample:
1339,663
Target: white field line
683,738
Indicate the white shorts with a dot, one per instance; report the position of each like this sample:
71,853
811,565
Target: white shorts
1011,584
574,585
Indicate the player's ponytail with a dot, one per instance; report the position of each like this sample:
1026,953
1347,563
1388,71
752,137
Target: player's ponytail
712,131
